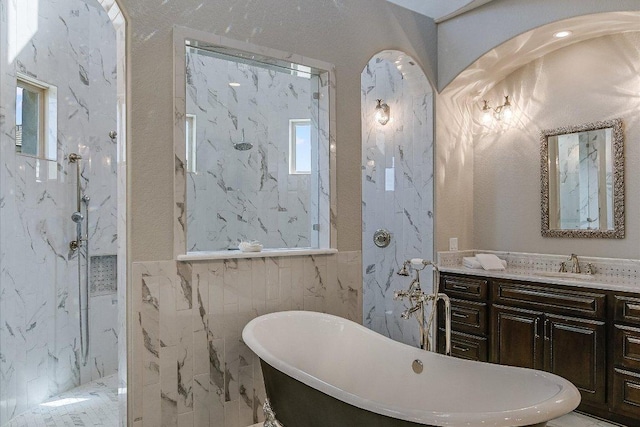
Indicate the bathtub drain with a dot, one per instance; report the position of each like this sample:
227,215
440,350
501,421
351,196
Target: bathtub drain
417,366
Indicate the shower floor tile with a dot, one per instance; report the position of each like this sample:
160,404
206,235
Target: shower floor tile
91,404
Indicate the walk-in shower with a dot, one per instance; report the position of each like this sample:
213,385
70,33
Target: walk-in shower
61,217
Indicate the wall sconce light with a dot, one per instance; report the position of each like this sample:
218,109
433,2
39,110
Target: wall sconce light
383,112
501,112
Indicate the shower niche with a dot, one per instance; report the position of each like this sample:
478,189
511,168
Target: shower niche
256,147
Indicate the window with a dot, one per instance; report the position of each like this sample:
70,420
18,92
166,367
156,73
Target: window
36,117
190,134
300,146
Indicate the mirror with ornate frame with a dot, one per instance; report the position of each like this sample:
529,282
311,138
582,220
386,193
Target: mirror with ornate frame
582,177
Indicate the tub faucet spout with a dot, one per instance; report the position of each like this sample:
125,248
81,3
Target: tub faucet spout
418,298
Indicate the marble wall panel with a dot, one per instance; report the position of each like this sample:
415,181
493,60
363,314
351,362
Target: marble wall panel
249,195
189,364
397,189
72,47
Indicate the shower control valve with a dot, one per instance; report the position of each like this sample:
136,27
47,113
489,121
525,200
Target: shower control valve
74,245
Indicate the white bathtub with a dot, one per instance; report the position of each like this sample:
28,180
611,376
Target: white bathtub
366,370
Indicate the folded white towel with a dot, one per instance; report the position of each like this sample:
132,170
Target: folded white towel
252,246
473,263
490,262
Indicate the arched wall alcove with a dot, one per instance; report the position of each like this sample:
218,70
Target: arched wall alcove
397,186
495,170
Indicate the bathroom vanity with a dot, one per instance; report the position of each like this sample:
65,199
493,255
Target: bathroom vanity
587,331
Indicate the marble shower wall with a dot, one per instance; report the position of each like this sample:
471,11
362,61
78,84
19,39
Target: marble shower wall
581,165
248,195
397,189
189,364
69,44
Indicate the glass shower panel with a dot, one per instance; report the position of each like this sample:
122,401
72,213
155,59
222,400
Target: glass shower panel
254,121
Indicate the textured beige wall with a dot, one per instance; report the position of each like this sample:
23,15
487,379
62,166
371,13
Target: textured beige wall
465,38
589,81
345,33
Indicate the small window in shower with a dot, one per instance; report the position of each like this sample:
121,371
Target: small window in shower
35,119
190,133
300,146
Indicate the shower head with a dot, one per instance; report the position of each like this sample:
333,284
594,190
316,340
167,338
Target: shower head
242,145
77,217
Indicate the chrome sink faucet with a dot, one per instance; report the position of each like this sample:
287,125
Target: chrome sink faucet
575,265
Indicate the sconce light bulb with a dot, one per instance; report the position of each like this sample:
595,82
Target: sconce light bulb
486,113
507,111
382,113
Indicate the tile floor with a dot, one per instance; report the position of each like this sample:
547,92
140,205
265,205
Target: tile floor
96,404
570,420
92,404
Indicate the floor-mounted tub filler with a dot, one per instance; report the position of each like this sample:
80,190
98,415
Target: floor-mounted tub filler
321,370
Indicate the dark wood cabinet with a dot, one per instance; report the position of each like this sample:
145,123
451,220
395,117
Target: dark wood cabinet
575,349
516,338
589,336
469,318
625,369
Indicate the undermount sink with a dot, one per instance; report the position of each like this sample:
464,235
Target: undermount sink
559,275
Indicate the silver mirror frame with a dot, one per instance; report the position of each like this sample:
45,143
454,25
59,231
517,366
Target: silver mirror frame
618,180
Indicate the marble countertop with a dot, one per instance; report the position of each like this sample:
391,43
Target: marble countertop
596,281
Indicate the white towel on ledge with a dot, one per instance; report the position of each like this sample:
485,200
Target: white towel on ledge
490,262
473,263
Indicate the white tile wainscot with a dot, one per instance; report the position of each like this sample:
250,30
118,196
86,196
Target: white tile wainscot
189,364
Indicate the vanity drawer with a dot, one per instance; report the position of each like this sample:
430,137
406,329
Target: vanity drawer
626,393
466,316
626,347
464,287
464,346
550,299
627,309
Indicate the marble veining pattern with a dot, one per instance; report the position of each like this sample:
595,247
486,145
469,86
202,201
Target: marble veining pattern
397,190
73,48
323,185
250,195
190,366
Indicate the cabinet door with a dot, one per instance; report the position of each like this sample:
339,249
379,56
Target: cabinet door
575,350
516,337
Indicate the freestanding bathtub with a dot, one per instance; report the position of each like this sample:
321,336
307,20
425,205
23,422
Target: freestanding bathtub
325,371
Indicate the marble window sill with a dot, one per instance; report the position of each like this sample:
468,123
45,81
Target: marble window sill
267,253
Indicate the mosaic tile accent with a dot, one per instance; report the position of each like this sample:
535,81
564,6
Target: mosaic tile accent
608,270
103,275
189,364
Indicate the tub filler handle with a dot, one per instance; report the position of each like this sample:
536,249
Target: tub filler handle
417,299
